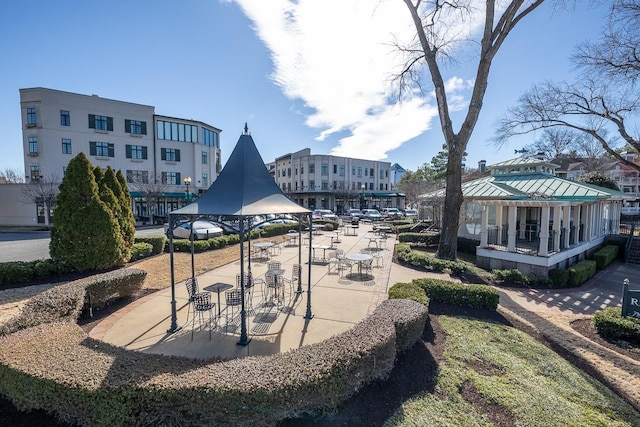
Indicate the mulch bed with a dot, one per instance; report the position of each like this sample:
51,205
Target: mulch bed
415,372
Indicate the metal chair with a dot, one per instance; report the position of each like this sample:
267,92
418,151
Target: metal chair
273,265
276,249
296,275
248,288
201,305
192,289
233,298
344,264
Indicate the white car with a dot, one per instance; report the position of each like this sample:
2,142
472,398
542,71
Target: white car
324,214
411,213
371,215
201,230
392,213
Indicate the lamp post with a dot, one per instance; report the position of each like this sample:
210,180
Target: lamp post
187,182
362,202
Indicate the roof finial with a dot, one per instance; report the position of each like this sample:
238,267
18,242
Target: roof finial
246,129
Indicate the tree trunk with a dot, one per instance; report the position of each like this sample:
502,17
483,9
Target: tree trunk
448,246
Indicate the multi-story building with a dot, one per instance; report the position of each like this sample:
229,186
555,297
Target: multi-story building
319,181
169,158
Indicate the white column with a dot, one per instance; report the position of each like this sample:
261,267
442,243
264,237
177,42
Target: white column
543,248
588,214
484,222
576,223
566,211
556,228
511,229
499,223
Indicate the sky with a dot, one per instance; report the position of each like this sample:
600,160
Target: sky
301,73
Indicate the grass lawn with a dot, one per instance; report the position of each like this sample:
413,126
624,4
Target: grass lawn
519,381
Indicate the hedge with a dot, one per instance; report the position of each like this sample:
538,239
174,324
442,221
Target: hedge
408,291
422,238
88,382
405,255
605,256
15,273
581,272
476,296
159,243
611,325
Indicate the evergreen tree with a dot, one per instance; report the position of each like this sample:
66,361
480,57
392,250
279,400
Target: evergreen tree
599,179
125,213
85,234
98,174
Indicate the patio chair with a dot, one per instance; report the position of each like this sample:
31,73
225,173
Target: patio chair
273,265
233,298
378,258
201,305
192,290
276,249
367,267
343,265
296,274
248,288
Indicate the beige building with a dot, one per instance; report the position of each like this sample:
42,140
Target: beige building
166,160
320,181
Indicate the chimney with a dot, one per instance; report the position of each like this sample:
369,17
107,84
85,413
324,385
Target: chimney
482,166
539,155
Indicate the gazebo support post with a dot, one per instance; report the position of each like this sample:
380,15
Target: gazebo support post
193,265
309,314
174,314
244,339
299,290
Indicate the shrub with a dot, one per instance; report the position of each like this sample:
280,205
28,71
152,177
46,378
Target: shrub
516,277
408,291
559,277
611,325
419,259
422,238
467,245
476,296
605,256
581,272
14,273
157,242
140,250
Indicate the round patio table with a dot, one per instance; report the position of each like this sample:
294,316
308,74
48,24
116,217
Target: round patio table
264,248
359,258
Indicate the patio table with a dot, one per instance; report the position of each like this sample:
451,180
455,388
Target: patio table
292,238
277,273
324,252
218,288
351,227
264,248
373,239
359,258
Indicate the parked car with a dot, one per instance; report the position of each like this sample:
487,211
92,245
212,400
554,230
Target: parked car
201,230
411,213
391,213
354,213
371,215
324,214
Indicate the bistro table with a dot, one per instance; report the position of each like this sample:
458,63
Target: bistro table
218,288
277,277
264,248
359,258
317,228
383,229
324,252
351,227
292,239
373,239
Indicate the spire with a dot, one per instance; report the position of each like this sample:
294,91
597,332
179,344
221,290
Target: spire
246,129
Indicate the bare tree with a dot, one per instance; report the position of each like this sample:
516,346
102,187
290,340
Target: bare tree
602,102
554,143
11,176
150,189
434,22
43,191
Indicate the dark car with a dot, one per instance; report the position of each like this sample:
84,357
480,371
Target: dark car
354,213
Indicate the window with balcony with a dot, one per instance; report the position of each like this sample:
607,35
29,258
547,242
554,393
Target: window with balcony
101,149
31,116
66,146
65,118
136,152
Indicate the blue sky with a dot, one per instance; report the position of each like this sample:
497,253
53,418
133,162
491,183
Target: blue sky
302,73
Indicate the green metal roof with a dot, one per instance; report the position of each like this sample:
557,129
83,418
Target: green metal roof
522,161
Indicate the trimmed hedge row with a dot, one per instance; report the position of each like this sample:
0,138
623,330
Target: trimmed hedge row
422,238
140,250
405,255
516,277
184,245
159,243
408,291
610,324
67,301
605,256
16,272
88,382
476,296
581,272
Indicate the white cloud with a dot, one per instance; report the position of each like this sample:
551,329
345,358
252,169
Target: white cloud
336,56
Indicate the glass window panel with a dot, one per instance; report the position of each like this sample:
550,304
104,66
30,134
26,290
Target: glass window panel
181,132
194,133
160,129
167,130
174,131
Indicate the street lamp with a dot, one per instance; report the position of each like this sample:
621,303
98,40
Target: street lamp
187,181
362,201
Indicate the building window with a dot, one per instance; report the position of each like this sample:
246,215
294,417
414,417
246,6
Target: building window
341,170
381,174
325,185
205,180
101,149
135,127
335,168
312,185
34,172
370,172
170,154
205,158
359,171
137,177
209,138
31,116
173,131
33,145
353,171
312,168
100,122
289,172
136,152
365,172
65,118
324,169
171,178
66,146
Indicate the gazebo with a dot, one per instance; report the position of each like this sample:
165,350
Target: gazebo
243,190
